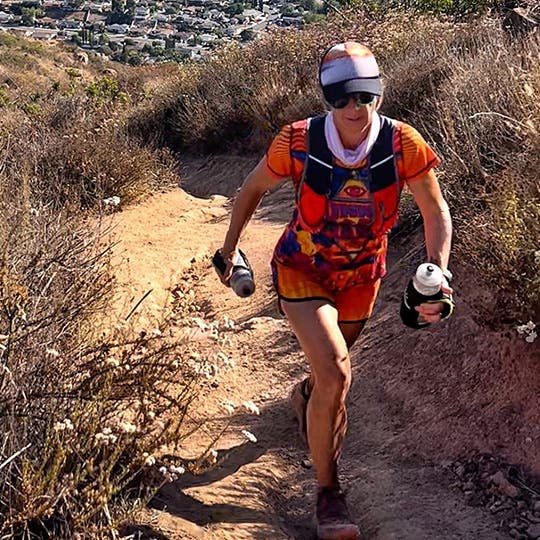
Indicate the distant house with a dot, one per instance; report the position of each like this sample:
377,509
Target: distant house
5,17
253,14
292,21
47,22
118,28
182,37
207,39
44,34
96,20
161,17
141,13
209,25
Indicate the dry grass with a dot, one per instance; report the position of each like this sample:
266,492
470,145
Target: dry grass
83,409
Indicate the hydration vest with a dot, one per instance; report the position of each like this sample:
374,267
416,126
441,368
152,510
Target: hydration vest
348,204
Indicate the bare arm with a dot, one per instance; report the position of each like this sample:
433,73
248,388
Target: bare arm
248,198
436,215
437,232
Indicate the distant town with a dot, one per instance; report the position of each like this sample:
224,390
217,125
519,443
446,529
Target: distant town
152,31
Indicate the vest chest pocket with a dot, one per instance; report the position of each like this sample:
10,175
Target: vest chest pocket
350,201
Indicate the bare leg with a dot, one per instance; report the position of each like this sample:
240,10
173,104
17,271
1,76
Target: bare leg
316,326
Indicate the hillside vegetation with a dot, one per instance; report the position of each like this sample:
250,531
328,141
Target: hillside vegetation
73,136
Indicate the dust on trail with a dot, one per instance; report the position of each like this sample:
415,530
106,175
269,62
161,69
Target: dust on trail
261,490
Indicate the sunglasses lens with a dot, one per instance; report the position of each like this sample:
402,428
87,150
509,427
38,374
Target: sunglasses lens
359,98
340,103
363,98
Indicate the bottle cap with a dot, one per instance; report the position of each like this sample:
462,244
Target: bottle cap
242,283
428,279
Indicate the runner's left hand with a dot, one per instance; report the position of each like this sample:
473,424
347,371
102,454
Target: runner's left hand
431,313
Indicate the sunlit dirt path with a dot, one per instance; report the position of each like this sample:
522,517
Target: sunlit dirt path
264,490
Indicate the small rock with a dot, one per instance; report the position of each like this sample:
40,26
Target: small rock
536,506
472,498
306,463
534,531
504,486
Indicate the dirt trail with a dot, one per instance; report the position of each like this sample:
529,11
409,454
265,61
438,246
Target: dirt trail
261,490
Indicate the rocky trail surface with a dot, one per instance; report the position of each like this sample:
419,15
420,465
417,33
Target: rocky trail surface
410,405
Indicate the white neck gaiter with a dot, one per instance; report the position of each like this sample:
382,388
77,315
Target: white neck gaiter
347,156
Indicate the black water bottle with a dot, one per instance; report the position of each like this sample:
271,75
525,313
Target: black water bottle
241,282
425,286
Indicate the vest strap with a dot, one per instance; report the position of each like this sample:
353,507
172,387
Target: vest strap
319,159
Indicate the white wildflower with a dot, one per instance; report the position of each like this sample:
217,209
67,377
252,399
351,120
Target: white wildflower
228,323
177,470
251,407
249,436
151,415
149,461
156,332
52,352
527,331
223,357
66,424
112,201
197,321
128,427
163,471
106,437
112,361
228,405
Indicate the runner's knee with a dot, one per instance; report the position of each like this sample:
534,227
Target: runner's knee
333,377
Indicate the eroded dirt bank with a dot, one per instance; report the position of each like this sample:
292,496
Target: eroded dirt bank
421,401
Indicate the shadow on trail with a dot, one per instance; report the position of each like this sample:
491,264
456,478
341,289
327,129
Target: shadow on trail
259,486
259,483
223,175
142,532
174,500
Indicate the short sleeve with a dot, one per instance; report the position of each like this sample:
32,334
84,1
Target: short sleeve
278,157
415,156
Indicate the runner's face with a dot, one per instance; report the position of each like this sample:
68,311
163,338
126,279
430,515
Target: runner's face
353,121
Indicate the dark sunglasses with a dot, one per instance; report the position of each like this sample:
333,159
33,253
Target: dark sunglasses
360,99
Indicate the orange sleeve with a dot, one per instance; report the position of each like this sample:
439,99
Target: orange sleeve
278,156
416,157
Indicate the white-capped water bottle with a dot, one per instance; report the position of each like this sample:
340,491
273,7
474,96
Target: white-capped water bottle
424,287
241,280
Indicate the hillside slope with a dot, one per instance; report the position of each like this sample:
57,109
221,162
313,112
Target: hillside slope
419,399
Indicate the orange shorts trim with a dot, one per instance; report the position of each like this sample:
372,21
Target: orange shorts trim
354,301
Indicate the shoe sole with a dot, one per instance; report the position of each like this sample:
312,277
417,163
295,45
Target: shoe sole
339,532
